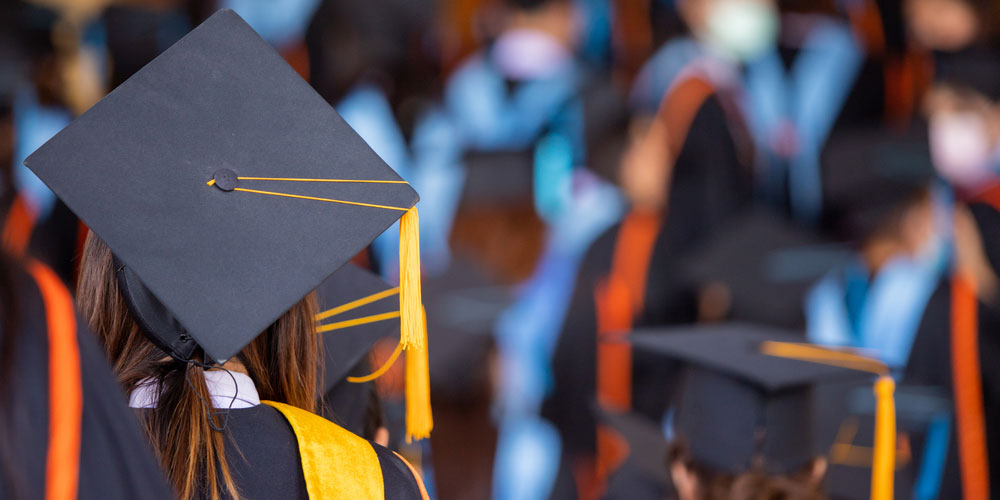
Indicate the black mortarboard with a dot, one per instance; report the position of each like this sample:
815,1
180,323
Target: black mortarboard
737,405
973,69
348,336
498,177
463,305
137,34
217,176
869,174
767,264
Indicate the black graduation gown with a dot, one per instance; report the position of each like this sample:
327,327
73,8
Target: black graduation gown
116,461
263,456
930,359
711,183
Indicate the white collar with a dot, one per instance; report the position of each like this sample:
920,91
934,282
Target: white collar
225,394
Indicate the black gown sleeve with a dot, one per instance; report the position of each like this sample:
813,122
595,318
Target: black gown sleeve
396,476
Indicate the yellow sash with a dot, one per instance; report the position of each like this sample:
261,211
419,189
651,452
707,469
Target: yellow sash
336,463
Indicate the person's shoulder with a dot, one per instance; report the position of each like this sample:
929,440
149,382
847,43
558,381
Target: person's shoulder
401,480
327,439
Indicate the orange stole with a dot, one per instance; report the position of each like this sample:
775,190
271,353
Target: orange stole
679,108
618,299
62,466
18,226
966,375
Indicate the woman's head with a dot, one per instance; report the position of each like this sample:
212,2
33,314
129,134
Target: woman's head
963,111
282,361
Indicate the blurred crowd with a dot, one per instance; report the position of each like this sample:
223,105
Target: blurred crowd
588,168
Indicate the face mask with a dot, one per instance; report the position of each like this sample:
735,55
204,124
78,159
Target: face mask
742,29
961,148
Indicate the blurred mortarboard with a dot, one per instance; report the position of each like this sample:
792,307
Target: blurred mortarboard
530,4
498,177
869,174
767,264
358,309
136,35
376,35
974,69
738,403
25,35
463,305
226,188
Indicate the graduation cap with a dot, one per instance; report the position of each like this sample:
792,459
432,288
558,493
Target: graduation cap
227,190
463,305
746,396
498,177
868,174
358,310
767,264
973,69
137,34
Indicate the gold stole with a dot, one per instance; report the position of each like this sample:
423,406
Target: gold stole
335,462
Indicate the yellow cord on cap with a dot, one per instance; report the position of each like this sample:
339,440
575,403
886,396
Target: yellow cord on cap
413,323
364,320
315,198
884,455
375,297
419,420
211,182
297,179
382,369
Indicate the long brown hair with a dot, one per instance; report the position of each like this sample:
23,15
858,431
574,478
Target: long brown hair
282,361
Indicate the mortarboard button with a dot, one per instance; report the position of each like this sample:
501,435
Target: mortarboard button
226,179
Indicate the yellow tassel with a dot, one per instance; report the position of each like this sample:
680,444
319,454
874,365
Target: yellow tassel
884,459
412,329
419,420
